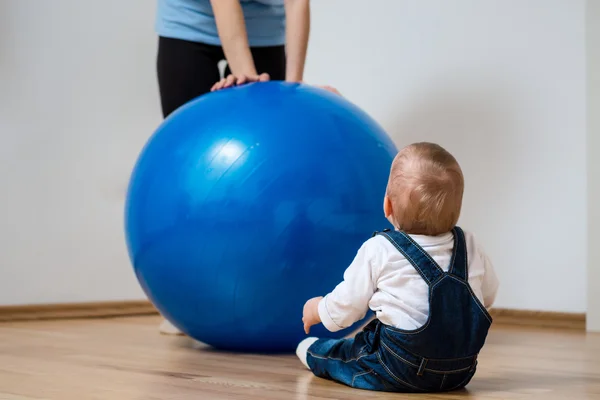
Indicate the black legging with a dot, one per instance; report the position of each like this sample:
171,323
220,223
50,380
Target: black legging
188,69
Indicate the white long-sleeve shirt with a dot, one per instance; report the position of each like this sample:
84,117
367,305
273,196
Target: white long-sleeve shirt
382,279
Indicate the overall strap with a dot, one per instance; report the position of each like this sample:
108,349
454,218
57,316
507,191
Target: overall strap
458,263
419,258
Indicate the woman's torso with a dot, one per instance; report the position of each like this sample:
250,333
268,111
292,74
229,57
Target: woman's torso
193,20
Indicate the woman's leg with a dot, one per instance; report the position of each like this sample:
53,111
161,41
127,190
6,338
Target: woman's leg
167,328
185,70
268,59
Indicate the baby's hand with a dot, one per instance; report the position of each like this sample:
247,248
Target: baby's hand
311,313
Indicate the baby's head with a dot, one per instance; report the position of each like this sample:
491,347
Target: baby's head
425,190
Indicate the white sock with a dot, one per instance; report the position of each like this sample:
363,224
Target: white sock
168,328
302,349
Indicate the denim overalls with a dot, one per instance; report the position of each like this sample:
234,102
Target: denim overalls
440,356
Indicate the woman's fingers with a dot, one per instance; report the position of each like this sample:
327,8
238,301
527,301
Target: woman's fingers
218,85
229,81
233,80
331,89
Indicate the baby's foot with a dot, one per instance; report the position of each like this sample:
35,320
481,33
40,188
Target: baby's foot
168,328
302,349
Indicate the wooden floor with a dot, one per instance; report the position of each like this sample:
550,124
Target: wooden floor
126,358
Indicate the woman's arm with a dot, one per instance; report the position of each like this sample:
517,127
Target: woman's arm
234,38
297,14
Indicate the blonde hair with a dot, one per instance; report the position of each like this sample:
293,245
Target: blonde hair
425,189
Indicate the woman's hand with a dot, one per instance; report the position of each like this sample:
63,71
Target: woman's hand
330,89
310,315
233,80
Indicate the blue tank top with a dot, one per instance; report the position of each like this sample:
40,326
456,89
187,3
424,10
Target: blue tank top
193,20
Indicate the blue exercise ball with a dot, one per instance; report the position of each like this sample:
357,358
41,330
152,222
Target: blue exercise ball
247,202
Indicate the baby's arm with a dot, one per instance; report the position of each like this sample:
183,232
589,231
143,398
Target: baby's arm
349,301
490,283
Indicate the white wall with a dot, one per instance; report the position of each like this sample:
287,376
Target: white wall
78,99
593,150
500,83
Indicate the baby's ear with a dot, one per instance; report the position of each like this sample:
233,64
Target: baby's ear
387,207
388,210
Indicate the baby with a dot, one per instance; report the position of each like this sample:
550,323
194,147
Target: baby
428,282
